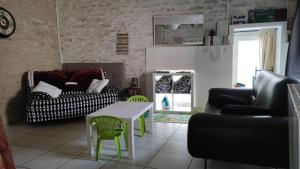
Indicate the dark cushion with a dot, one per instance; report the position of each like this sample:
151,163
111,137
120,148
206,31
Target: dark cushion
223,100
84,77
56,78
244,110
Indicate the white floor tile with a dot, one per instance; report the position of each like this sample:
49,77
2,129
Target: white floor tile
246,166
42,129
142,157
198,163
50,160
49,143
23,139
80,163
177,147
167,126
22,155
183,127
179,136
116,165
149,143
74,147
106,153
160,133
21,168
69,133
170,161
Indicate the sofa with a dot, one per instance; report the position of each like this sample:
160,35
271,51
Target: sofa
244,125
74,101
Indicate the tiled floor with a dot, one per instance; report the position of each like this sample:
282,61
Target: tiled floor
63,146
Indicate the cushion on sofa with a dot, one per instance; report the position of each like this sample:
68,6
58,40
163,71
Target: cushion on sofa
56,78
244,110
47,88
97,85
84,77
222,100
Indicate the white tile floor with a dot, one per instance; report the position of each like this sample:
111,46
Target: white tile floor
63,146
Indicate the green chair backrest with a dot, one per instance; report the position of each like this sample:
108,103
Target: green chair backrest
138,98
108,126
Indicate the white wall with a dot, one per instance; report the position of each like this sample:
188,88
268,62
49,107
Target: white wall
212,65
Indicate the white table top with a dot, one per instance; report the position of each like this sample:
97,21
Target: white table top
124,110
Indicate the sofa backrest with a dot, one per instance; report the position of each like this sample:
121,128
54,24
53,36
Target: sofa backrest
58,78
271,92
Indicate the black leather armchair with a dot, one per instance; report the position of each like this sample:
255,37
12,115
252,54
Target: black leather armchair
244,125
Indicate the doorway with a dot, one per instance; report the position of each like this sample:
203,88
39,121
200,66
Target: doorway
246,50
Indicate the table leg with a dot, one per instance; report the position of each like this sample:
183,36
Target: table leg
151,120
131,152
89,134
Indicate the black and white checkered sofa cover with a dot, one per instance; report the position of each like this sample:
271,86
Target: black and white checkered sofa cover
73,104
42,107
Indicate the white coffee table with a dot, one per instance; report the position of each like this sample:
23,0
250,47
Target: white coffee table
128,111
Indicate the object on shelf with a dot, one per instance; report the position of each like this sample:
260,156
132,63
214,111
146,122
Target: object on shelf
164,85
165,103
183,85
239,85
238,19
134,91
134,82
267,15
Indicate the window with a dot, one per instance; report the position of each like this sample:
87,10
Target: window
246,51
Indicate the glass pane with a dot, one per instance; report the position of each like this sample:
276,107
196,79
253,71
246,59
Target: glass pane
182,102
248,60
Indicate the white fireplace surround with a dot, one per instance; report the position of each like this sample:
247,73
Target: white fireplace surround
212,65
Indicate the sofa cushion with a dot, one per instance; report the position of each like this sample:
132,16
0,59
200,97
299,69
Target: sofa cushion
56,78
244,110
47,88
97,85
84,77
223,99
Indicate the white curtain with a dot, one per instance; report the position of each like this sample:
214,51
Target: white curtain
267,41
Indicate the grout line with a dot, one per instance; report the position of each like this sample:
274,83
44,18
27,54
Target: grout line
34,158
190,163
162,146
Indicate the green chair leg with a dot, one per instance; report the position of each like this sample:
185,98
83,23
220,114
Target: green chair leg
144,124
141,127
118,145
126,137
98,148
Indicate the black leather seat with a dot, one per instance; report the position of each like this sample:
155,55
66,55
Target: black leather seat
244,125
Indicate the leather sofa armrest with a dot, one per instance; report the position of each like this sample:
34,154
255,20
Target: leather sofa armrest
242,93
256,140
244,110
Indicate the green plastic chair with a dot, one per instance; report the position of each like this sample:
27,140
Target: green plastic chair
140,98
109,128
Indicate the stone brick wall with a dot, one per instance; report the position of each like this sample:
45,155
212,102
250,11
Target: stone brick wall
87,28
33,46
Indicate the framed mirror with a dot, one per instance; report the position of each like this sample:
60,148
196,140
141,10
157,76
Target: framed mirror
178,30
